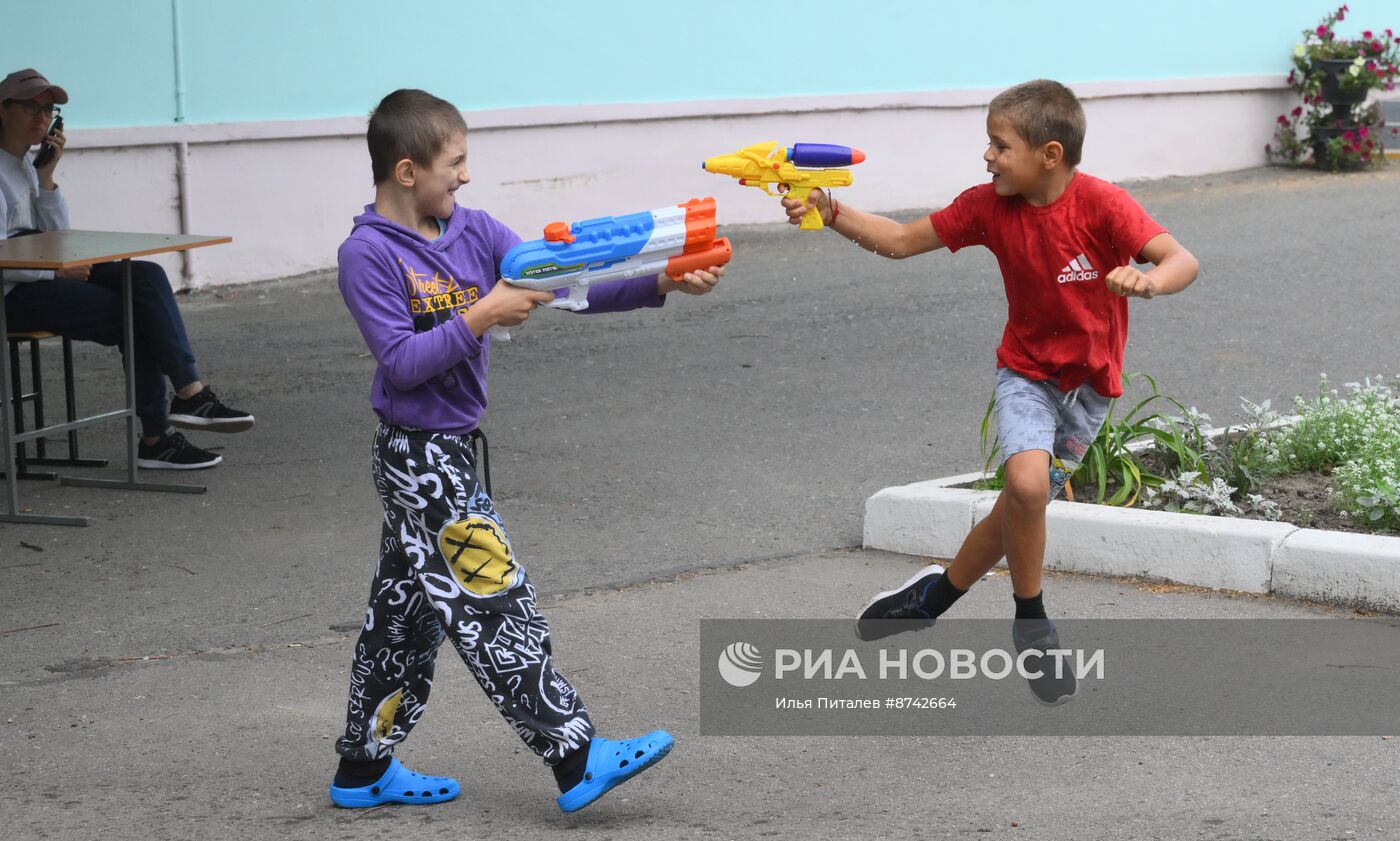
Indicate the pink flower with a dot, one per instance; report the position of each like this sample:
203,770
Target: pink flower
1376,45
1389,34
1297,112
1363,131
1282,120
1367,35
1349,135
1269,147
1371,65
1321,31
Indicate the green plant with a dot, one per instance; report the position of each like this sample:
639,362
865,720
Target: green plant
1114,472
1247,455
1290,143
1368,490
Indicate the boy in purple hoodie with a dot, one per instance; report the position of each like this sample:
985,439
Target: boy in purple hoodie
419,275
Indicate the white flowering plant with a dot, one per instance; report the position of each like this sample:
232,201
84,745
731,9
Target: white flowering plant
1173,462
1189,492
1354,436
1334,428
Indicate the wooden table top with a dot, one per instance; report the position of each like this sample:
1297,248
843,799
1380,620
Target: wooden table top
66,249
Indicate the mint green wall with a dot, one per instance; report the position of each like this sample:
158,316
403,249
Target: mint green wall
299,59
113,58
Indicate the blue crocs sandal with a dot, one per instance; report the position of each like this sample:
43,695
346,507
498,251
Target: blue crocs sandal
398,785
611,763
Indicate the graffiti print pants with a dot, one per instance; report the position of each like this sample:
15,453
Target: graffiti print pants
447,572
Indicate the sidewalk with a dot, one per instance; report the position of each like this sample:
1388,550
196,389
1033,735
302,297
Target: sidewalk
237,743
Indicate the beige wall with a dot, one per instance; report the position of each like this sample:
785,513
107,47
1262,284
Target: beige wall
286,192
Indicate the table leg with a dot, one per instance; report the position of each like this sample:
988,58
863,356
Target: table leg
129,363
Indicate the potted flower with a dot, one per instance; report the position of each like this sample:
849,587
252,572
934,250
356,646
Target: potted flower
1334,75
1338,145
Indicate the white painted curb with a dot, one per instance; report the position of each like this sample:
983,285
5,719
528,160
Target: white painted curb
932,518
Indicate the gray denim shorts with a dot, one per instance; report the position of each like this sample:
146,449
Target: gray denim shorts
1036,415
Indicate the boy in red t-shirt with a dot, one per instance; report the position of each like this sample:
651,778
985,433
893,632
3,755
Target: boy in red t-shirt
1065,242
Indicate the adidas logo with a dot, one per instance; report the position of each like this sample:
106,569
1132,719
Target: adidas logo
1078,269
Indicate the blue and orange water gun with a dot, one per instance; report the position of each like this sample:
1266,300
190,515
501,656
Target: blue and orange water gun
801,166
672,241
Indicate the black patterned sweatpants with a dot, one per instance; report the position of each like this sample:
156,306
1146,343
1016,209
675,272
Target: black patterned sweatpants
446,571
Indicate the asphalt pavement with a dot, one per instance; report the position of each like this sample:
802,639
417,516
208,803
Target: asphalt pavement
177,669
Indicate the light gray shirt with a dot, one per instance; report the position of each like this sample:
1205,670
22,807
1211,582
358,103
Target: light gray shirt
26,206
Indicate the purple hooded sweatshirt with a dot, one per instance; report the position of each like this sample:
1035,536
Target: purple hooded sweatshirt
406,292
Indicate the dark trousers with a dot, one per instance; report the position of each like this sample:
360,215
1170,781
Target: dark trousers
91,311
447,573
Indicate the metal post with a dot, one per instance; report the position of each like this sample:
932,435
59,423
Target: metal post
11,479
129,363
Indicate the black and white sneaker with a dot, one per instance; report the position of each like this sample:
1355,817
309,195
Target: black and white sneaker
206,411
898,610
1056,683
173,452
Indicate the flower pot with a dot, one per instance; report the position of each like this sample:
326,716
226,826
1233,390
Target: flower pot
1319,137
1332,91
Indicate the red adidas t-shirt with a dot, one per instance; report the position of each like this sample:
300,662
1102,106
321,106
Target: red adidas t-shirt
1062,322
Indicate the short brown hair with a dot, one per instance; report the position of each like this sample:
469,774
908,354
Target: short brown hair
409,123
1042,111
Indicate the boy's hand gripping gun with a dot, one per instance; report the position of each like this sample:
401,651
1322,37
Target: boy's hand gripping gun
801,167
674,240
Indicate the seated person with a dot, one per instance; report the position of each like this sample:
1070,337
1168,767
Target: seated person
86,302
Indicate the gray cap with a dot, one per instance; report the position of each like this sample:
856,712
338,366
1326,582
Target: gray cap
27,84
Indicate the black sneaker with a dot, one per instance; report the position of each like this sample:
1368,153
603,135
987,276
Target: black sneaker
1039,635
206,411
173,452
898,610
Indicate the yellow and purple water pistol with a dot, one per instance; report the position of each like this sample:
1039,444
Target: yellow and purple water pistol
671,240
801,167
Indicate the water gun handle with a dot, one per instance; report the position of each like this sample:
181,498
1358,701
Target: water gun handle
812,219
577,299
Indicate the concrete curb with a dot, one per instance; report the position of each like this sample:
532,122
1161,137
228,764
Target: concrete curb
1253,556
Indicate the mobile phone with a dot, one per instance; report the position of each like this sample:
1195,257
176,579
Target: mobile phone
46,148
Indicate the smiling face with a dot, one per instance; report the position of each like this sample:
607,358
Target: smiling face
1016,167
28,120
435,185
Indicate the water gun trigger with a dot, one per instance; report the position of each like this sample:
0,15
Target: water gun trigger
762,185
576,300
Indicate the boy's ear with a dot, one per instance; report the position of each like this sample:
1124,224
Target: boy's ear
1052,153
405,172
